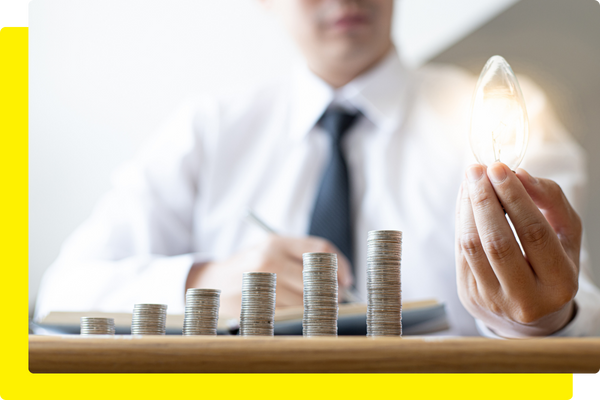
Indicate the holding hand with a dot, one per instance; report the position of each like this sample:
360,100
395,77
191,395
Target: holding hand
281,255
514,294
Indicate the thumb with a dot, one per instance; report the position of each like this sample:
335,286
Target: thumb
345,277
313,244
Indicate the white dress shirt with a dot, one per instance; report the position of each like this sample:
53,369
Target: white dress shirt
183,198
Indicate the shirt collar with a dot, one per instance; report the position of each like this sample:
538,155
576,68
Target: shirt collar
378,93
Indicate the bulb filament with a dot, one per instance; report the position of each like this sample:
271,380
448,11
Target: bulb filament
496,134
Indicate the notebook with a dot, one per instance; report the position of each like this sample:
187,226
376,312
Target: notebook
418,318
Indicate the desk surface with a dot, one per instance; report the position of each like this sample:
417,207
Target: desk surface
298,354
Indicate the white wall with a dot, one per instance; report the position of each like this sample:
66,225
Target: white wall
105,73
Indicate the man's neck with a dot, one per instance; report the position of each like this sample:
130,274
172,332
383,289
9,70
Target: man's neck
340,72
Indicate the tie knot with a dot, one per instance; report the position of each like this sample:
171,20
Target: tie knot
337,122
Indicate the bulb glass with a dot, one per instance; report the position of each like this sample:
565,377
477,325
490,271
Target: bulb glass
499,124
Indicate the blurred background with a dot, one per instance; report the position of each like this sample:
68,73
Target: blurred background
105,74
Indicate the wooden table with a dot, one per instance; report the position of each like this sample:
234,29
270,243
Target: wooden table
297,354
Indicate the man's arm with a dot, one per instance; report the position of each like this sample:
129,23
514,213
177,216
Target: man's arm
281,255
137,244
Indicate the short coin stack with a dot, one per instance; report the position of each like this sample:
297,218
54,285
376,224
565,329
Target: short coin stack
258,304
320,294
149,319
384,302
201,312
97,326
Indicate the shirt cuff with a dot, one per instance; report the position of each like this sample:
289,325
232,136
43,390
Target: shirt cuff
585,323
567,330
167,278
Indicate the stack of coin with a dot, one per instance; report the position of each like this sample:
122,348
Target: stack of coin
97,326
201,312
258,304
320,294
384,299
149,319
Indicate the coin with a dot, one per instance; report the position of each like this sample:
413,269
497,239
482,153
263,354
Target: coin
384,295
201,311
319,275
97,326
149,319
257,316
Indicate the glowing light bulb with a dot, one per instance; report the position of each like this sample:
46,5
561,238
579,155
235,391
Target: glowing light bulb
499,124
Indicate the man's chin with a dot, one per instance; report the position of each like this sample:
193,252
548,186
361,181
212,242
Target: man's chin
351,46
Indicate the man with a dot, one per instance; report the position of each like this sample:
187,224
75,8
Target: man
350,143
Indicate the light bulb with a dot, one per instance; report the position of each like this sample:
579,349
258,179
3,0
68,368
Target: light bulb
499,124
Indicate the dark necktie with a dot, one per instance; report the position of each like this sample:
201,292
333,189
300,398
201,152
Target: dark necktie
331,213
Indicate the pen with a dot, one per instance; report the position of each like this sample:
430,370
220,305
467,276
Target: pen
348,294
253,218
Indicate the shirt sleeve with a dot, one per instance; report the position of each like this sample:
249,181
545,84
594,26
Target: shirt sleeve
586,321
553,154
137,246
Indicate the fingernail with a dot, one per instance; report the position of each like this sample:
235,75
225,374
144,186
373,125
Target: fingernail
474,173
497,172
347,282
532,179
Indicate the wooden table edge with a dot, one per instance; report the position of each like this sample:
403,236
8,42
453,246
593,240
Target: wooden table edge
177,354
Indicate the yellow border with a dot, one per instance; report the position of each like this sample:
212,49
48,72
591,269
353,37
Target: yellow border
16,382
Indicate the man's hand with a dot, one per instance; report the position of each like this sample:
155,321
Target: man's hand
516,295
281,255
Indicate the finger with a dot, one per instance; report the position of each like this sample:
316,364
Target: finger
290,275
287,296
457,251
472,291
462,267
345,277
497,239
540,243
463,272
275,258
465,280
472,249
550,199
312,244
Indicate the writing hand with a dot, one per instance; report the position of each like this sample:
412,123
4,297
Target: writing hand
281,255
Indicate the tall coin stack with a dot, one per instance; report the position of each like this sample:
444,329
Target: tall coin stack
384,301
149,319
97,326
320,294
201,312
258,304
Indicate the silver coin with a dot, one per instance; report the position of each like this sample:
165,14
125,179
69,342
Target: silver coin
201,311
149,319
320,301
258,304
97,326
384,297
